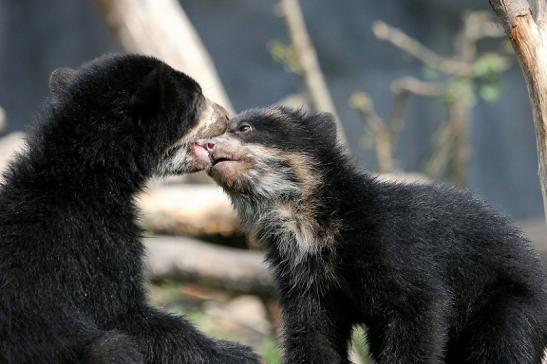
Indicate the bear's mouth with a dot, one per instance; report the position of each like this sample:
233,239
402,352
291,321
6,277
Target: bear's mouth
216,160
226,168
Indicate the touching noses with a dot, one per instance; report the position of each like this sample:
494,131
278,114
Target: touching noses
209,145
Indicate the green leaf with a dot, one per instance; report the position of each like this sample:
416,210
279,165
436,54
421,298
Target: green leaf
358,100
284,54
271,352
460,89
490,65
368,141
429,73
490,92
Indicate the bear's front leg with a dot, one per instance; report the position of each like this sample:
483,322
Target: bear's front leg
165,339
316,329
416,338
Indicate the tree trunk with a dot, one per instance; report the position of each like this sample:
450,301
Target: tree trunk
160,28
529,39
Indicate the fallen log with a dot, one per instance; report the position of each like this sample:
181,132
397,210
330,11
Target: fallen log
191,261
200,211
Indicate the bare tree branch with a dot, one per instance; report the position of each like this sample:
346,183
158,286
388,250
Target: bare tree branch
307,58
387,132
452,151
384,135
529,40
161,28
412,46
418,87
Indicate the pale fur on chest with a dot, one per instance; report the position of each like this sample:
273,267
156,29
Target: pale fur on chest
299,240
292,228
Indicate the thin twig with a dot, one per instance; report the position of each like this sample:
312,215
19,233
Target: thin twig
383,134
307,58
418,87
395,121
453,152
412,46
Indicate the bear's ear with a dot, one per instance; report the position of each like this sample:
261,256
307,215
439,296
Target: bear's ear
326,125
60,79
147,99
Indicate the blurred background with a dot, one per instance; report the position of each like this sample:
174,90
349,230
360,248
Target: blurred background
426,90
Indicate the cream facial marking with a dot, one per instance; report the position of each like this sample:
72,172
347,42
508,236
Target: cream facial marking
272,191
181,156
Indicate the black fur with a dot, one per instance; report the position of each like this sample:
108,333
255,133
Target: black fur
435,274
71,283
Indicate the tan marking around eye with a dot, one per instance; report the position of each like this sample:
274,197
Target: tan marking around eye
206,121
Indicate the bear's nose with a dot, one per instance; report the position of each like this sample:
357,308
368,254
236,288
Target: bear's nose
221,111
209,145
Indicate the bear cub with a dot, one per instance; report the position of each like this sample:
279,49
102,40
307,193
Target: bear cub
435,275
71,281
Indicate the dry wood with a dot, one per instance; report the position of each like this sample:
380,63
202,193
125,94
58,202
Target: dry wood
529,39
3,119
161,28
190,210
418,87
401,40
316,86
187,260
384,134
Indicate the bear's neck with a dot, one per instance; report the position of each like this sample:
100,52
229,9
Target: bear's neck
55,171
304,225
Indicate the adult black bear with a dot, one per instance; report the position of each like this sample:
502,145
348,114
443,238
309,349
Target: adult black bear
71,286
435,274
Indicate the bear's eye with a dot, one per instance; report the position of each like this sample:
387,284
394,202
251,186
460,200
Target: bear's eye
244,128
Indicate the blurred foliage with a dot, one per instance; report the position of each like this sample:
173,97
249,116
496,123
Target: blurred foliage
429,73
460,88
488,69
484,83
170,297
491,65
271,352
359,101
480,83
284,54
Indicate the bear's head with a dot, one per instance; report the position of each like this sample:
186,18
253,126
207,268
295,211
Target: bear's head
273,153
129,115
